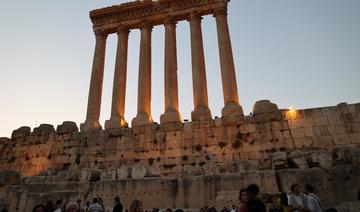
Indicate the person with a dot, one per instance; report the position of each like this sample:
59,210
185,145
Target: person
87,205
72,207
49,207
95,206
136,206
254,204
81,207
58,205
285,202
101,202
5,208
331,210
38,208
118,207
313,201
243,198
297,200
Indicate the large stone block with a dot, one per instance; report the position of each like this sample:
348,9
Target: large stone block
264,106
43,129
10,177
67,127
21,132
138,171
123,172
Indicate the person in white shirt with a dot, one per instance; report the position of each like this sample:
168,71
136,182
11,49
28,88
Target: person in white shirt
297,200
313,201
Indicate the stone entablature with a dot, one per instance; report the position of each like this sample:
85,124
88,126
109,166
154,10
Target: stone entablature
133,14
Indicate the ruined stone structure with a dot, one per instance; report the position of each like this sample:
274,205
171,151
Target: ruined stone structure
144,15
175,164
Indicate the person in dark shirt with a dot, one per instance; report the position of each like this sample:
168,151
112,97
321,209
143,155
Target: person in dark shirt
254,204
118,207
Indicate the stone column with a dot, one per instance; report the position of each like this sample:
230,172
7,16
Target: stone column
97,75
143,116
171,84
119,87
228,76
201,109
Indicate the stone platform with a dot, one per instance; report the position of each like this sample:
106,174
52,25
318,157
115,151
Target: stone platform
187,165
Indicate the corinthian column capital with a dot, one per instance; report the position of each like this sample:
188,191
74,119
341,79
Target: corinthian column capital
123,29
146,25
220,11
170,21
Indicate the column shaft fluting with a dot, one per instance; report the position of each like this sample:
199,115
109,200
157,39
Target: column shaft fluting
119,87
170,76
96,82
201,111
144,83
228,76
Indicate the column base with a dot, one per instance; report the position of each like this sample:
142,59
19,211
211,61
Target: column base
201,113
170,116
232,109
141,119
89,125
115,122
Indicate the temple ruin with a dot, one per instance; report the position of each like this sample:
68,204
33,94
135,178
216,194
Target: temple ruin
144,15
178,164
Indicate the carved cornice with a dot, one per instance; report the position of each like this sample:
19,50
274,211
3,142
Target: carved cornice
133,13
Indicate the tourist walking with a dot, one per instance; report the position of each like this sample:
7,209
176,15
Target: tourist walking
254,204
297,200
313,201
118,207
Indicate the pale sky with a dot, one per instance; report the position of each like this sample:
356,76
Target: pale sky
296,53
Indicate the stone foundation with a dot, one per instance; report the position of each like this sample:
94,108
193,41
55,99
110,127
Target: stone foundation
187,165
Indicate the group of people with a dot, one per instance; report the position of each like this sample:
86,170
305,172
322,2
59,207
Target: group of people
97,205
249,201
296,201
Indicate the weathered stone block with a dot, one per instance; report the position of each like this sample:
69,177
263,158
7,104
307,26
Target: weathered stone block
21,132
321,121
279,160
138,171
297,160
247,128
264,106
67,127
321,131
123,172
43,129
10,177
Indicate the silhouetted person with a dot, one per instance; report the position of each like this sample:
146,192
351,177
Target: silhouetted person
118,207
49,207
254,204
38,208
58,205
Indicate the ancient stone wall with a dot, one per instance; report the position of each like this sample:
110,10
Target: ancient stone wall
164,159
